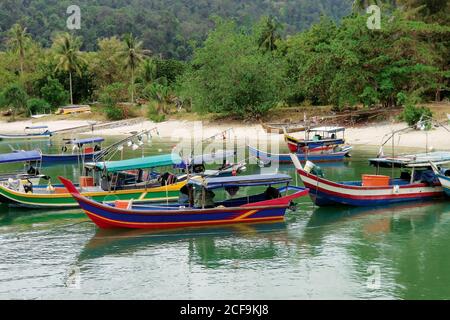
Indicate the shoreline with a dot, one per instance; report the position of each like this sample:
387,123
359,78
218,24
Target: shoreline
370,135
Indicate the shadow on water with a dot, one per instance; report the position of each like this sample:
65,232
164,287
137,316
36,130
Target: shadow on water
22,216
204,244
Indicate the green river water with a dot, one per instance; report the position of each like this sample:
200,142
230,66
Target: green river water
396,252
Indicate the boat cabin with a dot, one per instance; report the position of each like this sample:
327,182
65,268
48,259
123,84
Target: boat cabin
323,138
86,146
31,163
132,173
199,191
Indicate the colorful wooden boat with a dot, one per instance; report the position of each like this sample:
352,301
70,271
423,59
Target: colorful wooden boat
82,152
30,160
73,109
443,176
419,159
318,155
257,208
36,132
323,137
110,181
324,192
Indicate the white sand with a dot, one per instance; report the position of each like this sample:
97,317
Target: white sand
19,126
438,138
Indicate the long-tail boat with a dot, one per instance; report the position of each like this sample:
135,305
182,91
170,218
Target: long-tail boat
324,138
418,184
76,150
31,165
443,176
32,132
105,181
316,155
270,205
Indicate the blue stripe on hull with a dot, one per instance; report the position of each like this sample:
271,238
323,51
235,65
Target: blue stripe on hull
137,218
301,156
66,158
323,199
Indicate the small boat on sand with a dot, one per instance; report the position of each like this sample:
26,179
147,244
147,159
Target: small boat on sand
200,209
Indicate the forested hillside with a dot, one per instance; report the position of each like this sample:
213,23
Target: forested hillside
164,26
242,68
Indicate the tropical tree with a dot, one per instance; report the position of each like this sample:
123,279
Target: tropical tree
18,39
149,70
67,49
268,34
133,55
15,97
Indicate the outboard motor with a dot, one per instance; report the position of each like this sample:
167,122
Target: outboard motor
28,187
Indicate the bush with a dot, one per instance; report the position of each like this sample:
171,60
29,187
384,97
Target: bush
114,113
36,106
412,115
54,93
153,114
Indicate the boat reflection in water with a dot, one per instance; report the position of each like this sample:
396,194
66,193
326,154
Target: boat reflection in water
202,243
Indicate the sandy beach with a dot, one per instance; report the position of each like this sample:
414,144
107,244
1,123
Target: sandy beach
437,138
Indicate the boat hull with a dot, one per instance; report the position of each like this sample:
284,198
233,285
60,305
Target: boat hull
316,156
24,136
107,217
59,158
445,181
325,193
66,201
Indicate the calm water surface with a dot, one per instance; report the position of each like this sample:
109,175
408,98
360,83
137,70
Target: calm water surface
397,252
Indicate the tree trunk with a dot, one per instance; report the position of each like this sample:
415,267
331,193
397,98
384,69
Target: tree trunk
70,83
132,86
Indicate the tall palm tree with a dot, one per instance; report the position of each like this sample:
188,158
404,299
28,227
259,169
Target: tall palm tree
18,38
133,55
69,58
269,33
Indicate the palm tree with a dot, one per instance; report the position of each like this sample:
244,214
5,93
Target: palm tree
18,38
149,70
69,58
133,55
269,33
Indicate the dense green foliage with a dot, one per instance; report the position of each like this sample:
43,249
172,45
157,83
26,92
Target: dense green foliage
164,26
243,68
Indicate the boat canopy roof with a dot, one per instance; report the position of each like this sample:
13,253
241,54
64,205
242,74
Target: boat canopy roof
36,127
20,156
86,141
327,129
241,181
413,160
138,163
